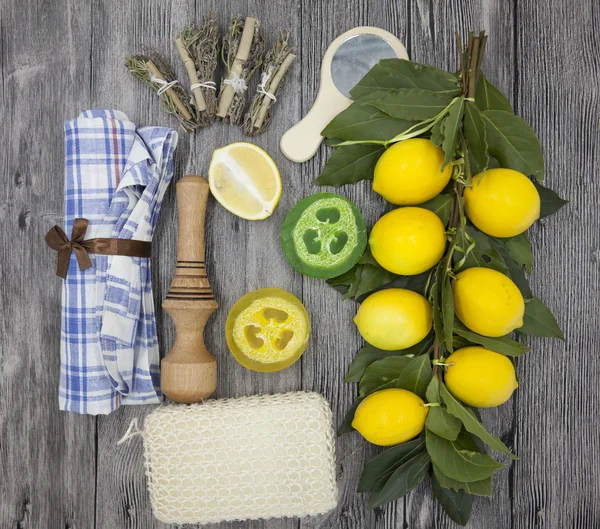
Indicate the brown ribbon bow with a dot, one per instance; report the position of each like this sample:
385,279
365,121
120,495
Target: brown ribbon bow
57,240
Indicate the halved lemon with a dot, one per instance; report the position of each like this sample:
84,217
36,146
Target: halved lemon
267,330
245,180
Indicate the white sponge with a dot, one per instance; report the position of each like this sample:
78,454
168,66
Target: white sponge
238,459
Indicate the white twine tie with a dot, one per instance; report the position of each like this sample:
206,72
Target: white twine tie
164,85
237,83
132,431
208,84
263,82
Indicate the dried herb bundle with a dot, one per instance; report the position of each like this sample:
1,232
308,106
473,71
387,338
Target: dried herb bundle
156,73
198,47
275,66
242,51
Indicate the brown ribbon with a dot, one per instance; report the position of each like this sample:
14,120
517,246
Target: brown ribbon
57,240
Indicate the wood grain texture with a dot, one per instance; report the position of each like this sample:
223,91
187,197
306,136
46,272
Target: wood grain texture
61,470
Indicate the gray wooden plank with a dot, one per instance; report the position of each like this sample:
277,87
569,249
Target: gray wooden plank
241,255
433,42
555,483
335,339
47,457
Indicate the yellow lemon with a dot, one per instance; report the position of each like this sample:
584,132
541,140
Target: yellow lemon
410,172
245,180
480,377
487,302
394,319
267,330
408,241
502,202
390,417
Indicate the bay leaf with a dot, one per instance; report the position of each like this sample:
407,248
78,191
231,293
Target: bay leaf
405,478
475,135
513,143
550,201
447,312
539,321
488,97
519,249
452,128
441,205
382,466
477,488
372,277
412,104
382,374
415,377
457,505
471,424
392,74
350,164
361,121
457,461
437,133
346,426
503,345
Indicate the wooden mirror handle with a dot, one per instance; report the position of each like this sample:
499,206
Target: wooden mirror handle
189,371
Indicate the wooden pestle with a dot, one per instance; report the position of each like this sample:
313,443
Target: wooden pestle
189,371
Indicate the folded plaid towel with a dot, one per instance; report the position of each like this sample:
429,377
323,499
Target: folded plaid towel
115,176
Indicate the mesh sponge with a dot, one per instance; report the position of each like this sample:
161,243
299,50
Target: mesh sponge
237,459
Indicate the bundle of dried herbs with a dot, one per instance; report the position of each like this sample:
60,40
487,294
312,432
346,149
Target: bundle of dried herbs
156,73
198,47
276,64
242,52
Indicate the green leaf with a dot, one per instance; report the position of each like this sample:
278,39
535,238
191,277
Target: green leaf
475,134
392,74
371,278
412,104
416,375
513,143
477,488
363,122
457,461
350,164
503,345
439,421
452,128
550,201
437,133
382,466
484,254
539,321
488,97
519,249
415,283
447,312
457,505
369,354
382,374
405,478
346,426
471,424
514,270
438,324
441,205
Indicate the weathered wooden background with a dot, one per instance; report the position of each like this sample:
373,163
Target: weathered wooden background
64,471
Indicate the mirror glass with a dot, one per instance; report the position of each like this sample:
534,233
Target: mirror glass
355,57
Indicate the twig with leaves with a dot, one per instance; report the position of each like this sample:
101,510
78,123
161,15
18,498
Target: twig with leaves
198,47
154,71
242,52
276,64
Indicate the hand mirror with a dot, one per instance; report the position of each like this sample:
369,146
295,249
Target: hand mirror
346,61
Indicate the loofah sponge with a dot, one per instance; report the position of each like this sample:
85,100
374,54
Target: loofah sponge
238,459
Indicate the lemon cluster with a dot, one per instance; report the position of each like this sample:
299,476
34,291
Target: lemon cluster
410,240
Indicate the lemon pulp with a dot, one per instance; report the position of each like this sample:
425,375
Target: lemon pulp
245,180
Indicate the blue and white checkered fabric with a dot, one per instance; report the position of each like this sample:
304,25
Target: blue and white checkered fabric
115,176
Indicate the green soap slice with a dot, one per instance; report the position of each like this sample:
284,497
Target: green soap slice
324,235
